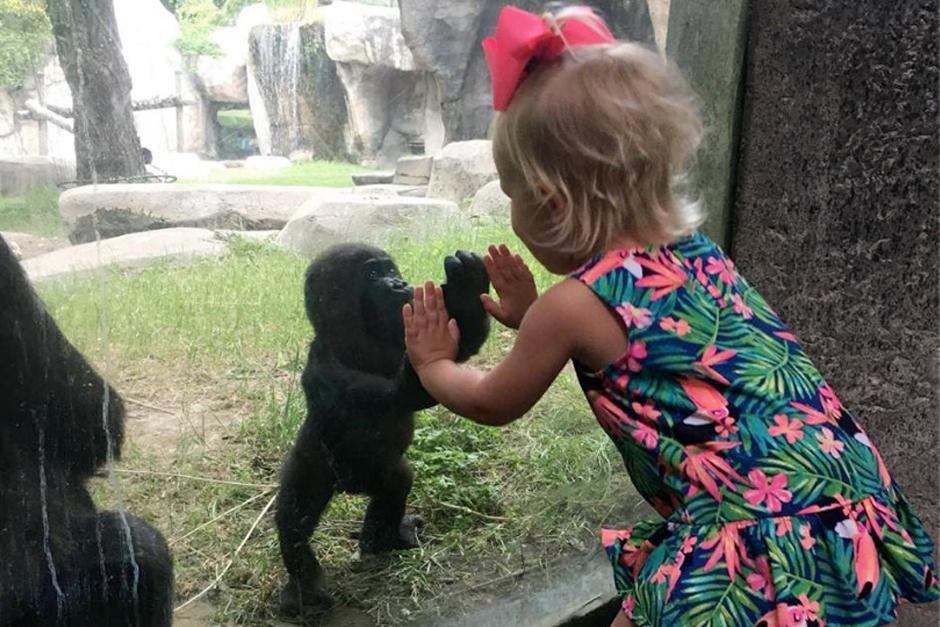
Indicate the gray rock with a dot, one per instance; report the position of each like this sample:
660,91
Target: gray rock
373,178
404,179
460,169
224,78
366,35
707,42
386,94
445,39
19,175
128,251
111,210
353,217
415,166
27,245
491,201
414,191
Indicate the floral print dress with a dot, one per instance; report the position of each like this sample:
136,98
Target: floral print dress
778,509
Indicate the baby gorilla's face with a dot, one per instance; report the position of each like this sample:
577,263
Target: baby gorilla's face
383,292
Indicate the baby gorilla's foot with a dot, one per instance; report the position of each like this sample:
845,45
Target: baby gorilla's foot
408,530
406,538
304,600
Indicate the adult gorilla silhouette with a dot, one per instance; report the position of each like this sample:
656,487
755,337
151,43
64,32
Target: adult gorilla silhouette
361,394
61,562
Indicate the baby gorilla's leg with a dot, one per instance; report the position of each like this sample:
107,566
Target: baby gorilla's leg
386,527
307,485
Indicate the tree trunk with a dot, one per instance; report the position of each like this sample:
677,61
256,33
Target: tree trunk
89,48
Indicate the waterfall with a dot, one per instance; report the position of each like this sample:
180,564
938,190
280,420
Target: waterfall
275,73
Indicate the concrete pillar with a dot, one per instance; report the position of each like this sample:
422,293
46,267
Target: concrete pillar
836,212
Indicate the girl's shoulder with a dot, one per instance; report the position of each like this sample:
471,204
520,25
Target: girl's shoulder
629,263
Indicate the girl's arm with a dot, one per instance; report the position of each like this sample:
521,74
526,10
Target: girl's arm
547,339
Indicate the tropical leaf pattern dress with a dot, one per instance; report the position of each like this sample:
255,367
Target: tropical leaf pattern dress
778,509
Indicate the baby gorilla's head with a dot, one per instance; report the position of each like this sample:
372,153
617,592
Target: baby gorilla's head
354,295
382,294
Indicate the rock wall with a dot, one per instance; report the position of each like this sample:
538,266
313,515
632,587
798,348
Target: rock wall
445,38
386,94
836,212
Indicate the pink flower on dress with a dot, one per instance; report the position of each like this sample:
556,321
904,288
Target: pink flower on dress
792,429
688,545
810,608
639,317
663,573
784,526
636,354
725,427
700,275
681,327
774,492
645,435
647,410
828,443
762,579
629,603
807,541
740,307
717,266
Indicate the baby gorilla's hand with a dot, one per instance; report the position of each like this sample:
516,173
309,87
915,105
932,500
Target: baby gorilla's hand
466,272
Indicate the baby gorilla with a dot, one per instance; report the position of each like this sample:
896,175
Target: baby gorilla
361,394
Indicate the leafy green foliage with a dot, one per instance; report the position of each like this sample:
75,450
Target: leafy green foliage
24,33
198,18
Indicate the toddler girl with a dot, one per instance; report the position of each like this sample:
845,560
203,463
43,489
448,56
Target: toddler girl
778,508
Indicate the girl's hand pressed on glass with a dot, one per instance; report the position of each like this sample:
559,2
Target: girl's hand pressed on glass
514,284
430,334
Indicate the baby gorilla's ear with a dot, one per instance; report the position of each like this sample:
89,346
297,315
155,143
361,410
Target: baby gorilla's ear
466,272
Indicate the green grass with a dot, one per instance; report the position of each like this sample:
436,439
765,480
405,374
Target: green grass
36,212
232,332
316,173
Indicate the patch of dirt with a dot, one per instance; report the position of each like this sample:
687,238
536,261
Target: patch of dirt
26,245
163,415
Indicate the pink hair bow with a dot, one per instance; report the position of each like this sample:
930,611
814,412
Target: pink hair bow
522,37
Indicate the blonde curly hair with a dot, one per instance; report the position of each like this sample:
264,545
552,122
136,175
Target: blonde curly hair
610,131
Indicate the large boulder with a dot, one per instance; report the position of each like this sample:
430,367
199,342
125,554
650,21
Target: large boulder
374,218
445,38
19,175
296,97
460,169
490,201
386,94
128,251
224,78
105,211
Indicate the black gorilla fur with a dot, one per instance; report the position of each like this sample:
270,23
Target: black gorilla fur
61,562
361,394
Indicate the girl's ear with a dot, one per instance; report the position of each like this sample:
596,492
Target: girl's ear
556,205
